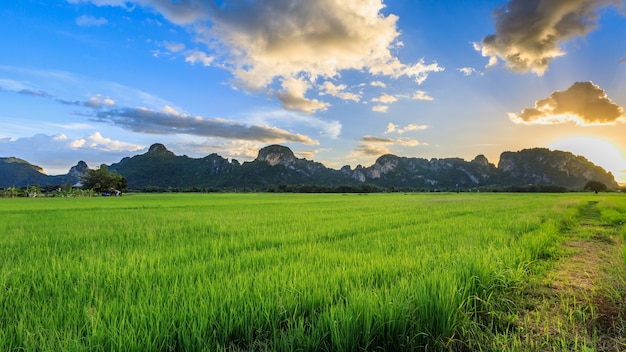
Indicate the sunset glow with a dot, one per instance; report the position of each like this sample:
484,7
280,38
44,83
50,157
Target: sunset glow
597,150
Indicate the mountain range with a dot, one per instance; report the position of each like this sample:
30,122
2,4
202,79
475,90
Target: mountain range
276,166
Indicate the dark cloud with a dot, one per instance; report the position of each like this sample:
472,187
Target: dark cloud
400,141
171,122
373,139
584,103
528,32
35,93
168,121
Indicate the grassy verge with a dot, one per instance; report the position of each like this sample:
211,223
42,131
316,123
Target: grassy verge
579,302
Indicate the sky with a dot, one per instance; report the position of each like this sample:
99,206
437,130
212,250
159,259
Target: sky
341,82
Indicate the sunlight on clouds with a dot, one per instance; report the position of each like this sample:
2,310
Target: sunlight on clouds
368,150
268,41
376,146
391,128
310,154
292,96
338,91
584,103
385,99
78,143
380,108
422,95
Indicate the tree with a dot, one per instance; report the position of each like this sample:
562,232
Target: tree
32,191
595,186
12,192
101,180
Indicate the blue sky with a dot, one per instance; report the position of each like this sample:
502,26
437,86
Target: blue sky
338,81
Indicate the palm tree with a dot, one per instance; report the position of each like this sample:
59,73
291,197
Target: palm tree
12,191
32,191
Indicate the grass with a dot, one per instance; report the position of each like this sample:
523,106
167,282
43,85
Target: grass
580,302
183,272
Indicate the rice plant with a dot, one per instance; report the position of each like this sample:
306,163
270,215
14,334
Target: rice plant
198,272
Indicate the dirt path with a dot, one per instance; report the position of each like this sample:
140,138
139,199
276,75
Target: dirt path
581,306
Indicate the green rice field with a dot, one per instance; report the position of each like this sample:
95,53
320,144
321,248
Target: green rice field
283,272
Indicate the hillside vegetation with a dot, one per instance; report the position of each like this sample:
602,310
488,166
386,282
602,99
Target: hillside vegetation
277,169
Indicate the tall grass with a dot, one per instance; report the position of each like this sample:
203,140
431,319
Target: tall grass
267,272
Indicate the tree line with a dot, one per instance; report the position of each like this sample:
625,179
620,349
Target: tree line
102,181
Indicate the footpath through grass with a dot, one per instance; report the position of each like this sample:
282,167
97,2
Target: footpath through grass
579,302
192,272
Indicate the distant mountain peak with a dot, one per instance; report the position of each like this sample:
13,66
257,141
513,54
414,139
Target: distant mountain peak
159,149
276,154
481,160
78,169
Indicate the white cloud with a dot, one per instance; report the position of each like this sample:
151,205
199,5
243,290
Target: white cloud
97,141
391,128
385,99
422,95
378,84
380,108
99,101
468,71
174,47
90,21
338,91
58,152
194,56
